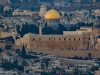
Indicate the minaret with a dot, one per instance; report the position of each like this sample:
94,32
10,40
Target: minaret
40,29
0,32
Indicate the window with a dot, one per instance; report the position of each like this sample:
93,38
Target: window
59,39
69,38
79,38
54,38
89,38
74,39
39,38
49,38
33,39
94,37
64,38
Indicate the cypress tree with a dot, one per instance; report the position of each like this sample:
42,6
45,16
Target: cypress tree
23,51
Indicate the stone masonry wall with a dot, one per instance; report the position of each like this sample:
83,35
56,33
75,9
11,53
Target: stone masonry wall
64,45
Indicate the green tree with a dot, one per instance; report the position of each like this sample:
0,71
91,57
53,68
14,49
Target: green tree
37,60
60,29
1,26
27,71
14,74
15,63
93,16
8,13
73,27
46,61
24,63
76,72
65,14
81,24
8,47
26,28
1,9
18,29
23,52
89,56
98,17
22,32
21,68
94,68
6,65
48,30
33,29
42,66
17,51
1,50
70,14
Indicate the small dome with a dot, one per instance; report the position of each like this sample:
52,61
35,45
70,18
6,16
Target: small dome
52,14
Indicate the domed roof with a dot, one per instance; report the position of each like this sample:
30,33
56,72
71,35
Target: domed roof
52,14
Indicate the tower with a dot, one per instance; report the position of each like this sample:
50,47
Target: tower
0,32
96,27
43,10
40,29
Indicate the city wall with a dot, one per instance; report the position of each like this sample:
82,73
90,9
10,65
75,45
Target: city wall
70,53
62,45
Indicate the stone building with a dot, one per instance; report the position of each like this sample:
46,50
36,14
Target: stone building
97,72
43,10
96,12
18,12
4,33
7,8
82,39
70,43
52,18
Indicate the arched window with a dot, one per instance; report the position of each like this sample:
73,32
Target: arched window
64,38
69,38
89,38
79,38
74,39
59,39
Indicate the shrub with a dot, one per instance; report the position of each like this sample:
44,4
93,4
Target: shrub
8,47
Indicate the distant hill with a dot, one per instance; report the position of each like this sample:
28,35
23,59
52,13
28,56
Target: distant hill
4,2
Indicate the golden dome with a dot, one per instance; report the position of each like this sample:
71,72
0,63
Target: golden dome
52,14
